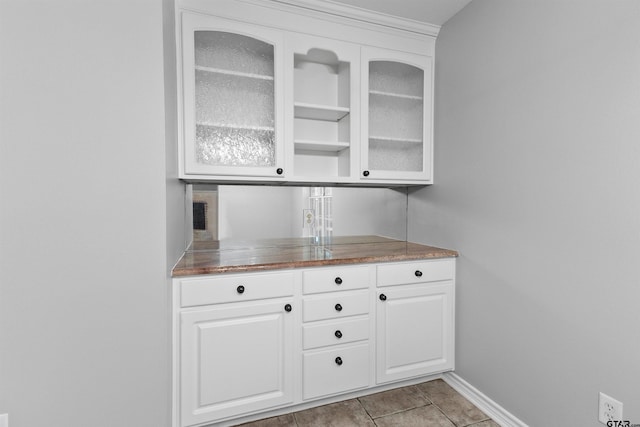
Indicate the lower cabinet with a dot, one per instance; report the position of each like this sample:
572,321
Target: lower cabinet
235,360
248,343
414,319
336,326
414,331
335,370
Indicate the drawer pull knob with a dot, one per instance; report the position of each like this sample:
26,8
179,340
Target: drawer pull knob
338,307
365,173
338,281
418,273
279,171
287,308
338,334
338,360
383,297
240,289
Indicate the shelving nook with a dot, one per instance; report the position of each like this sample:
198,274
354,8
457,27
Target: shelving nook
322,107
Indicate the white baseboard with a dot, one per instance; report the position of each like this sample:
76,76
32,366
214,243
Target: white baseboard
496,412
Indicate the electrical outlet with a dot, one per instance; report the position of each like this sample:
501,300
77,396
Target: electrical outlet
308,218
609,409
4,420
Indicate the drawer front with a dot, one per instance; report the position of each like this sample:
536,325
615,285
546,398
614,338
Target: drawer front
415,272
235,288
335,305
335,279
335,332
334,371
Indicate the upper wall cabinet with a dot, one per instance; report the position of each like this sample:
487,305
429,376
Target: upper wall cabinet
322,76
396,129
274,93
232,112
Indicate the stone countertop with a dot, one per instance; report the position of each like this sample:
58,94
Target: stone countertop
228,256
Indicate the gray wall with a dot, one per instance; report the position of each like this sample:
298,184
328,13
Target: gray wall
537,135
84,307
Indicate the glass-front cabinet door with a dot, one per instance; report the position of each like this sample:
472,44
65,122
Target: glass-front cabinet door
232,122
397,125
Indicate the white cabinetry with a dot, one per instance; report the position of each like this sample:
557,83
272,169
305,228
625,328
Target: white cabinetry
270,92
322,76
232,110
335,331
414,319
245,344
235,357
396,129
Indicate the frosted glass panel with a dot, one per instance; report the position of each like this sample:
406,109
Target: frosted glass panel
396,77
234,96
220,146
233,52
232,100
396,116
395,155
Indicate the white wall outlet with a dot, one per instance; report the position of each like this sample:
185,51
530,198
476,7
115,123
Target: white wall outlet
308,218
609,409
4,420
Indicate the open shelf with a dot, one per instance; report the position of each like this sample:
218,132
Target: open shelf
395,95
395,139
233,73
328,146
238,127
329,113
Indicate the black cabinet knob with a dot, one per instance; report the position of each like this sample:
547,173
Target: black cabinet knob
240,289
287,308
338,307
383,297
338,360
365,173
338,334
418,273
338,281
279,171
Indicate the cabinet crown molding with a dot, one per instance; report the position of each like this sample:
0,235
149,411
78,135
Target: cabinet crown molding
359,14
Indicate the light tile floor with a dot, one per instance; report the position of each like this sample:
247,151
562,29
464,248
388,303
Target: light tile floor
429,404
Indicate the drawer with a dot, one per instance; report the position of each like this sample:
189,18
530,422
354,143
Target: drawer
335,305
333,371
415,272
335,332
335,279
234,288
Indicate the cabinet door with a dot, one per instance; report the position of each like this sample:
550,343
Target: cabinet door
235,360
414,331
322,103
232,99
396,128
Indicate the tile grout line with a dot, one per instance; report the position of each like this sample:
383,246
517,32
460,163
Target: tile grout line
365,410
421,393
447,416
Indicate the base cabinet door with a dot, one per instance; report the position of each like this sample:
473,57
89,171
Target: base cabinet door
235,359
414,331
